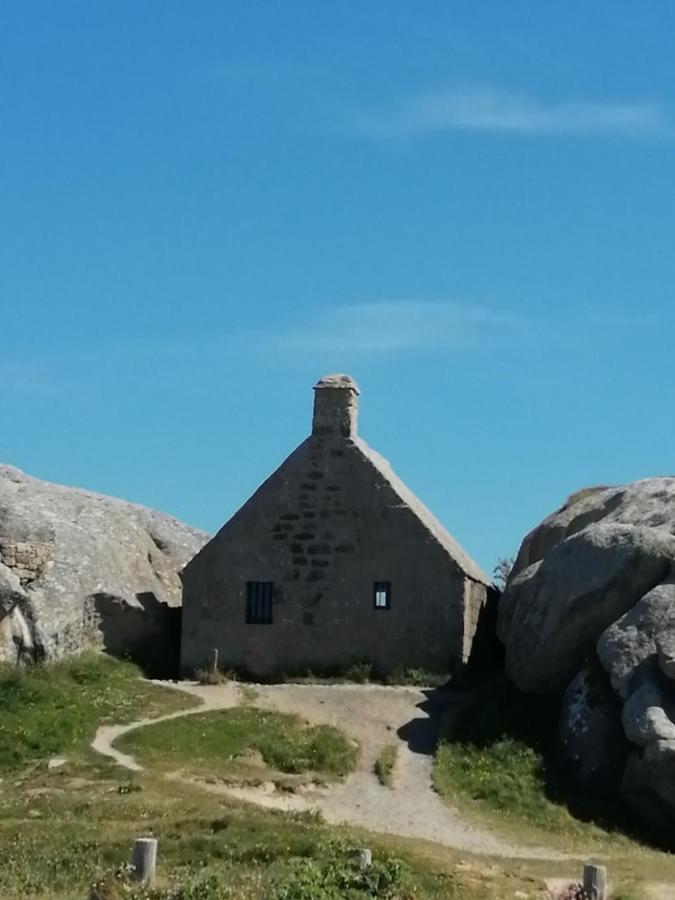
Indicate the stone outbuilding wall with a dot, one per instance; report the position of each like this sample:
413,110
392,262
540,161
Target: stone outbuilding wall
331,523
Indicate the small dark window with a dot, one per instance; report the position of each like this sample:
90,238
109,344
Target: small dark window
382,594
259,602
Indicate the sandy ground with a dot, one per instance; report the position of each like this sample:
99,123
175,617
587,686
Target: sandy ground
373,716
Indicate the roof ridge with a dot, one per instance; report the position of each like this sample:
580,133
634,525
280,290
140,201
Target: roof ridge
470,568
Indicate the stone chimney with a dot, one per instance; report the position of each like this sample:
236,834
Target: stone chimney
336,407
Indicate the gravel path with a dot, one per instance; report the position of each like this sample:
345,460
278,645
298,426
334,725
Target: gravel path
374,716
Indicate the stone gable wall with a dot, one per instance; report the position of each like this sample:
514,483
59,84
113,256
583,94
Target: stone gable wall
324,527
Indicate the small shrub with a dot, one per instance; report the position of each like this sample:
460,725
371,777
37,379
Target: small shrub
211,676
359,672
385,764
502,570
583,493
336,875
129,788
306,816
415,676
118,886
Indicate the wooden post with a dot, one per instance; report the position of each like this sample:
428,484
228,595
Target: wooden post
144,859
595,881
364,857
214,660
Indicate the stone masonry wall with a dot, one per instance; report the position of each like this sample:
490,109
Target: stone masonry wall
324,527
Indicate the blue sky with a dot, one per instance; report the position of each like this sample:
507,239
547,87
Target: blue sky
468,206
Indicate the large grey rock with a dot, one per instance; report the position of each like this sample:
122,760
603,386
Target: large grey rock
553,612
591,738
630,646
11,591
648,714
665,650
649,502
80,569
648,786
15,638
596,581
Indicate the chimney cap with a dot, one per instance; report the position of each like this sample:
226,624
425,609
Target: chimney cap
339,382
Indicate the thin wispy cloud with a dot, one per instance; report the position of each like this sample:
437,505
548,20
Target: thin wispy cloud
337,333
487,109
389,326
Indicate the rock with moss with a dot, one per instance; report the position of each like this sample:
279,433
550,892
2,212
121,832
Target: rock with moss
591,739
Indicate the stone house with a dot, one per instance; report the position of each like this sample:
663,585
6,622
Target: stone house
332,561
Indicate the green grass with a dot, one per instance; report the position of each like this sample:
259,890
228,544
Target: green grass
493,753
385,764
627,892
497,757
55,709
208,741
507,776
62,831
68,831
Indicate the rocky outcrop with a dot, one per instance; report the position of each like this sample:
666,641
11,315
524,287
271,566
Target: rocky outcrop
631,644
593,585
79,569
591,739
555,611
650,503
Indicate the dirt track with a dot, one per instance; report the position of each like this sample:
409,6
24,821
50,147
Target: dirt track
374,716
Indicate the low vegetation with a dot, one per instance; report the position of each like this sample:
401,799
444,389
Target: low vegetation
502,570
247,694
363,673
69,836
50,711
628,891
359,672
415,677
330,873
497,757
213,676
385,764
67,833
583,493
205,742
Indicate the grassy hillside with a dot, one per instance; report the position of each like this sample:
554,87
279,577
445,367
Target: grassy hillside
67,833
76,828
53,710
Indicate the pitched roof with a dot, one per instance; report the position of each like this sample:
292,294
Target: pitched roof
471,569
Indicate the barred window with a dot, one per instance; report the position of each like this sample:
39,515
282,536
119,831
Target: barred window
259,595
